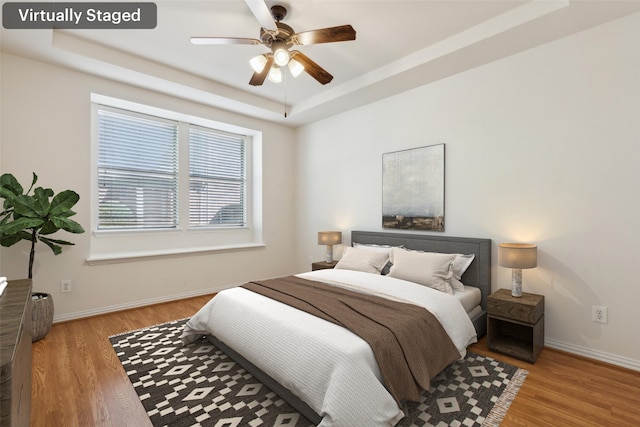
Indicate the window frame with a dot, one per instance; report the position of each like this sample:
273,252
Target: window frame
108,245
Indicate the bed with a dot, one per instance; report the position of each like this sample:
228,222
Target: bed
326,372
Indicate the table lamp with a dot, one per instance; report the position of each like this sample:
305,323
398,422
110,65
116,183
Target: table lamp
517,256
329,238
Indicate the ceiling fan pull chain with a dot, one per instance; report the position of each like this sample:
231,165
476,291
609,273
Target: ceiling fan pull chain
285,95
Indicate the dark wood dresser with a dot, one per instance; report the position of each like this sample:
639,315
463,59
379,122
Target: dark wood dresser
15,354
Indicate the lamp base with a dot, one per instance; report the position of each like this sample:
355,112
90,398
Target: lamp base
516,283
329,257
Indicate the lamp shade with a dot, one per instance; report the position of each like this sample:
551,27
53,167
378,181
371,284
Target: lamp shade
258,63
275,74
329,237
517,255
295,68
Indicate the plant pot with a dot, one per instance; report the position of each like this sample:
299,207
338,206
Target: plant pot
41,315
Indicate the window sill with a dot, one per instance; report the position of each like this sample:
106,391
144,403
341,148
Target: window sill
123,257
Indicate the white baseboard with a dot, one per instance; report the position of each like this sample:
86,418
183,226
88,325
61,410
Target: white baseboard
135,304
590,353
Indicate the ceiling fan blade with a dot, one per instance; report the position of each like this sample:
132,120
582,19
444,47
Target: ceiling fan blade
262,13
258,78
313,69
223,40
342,33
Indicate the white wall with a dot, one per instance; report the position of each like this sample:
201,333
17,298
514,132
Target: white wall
541,147
46,128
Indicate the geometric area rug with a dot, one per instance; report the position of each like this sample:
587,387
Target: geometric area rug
199,385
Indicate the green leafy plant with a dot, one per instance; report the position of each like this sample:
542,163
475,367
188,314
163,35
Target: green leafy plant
34,217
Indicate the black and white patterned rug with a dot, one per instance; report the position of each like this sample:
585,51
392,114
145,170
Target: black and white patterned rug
198,385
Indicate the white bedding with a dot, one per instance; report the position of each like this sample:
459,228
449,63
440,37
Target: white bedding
469,297
331,369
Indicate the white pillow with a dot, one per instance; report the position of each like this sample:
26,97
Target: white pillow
359,259
459,266
456,284
379,248
461,263
425,268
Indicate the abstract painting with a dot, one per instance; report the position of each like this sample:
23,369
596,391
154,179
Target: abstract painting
413,189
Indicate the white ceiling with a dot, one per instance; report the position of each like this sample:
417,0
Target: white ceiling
399,45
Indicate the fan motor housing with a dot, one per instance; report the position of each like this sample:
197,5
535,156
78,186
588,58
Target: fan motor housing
284,32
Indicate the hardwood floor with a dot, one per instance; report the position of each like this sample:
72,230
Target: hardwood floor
77,377
562,389
78,380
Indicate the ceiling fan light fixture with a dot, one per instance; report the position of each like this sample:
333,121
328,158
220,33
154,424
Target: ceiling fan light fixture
275,74
281,57
279,38
295,68
258,63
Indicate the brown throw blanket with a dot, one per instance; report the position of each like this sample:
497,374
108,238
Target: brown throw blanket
409,343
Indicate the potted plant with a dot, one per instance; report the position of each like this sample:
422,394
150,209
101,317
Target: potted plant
34,217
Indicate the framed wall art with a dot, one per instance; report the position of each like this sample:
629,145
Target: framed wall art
413,189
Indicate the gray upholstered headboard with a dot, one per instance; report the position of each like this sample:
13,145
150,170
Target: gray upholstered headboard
478,274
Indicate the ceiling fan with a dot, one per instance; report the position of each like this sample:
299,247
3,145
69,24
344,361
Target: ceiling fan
280,38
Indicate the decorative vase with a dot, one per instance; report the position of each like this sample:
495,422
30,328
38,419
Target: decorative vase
41,315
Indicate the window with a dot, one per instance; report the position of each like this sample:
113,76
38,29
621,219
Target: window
139,177
216,178
137,171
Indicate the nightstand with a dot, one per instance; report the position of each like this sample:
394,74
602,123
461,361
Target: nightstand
515,326
323,265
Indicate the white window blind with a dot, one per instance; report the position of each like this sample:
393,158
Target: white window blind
137,171
217,178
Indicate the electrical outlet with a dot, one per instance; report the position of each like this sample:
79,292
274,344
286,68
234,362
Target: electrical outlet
599,314
65,286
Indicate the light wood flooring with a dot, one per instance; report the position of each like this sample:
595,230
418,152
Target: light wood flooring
78,380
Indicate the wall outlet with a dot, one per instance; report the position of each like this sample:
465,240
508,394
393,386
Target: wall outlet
65,286
599,314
